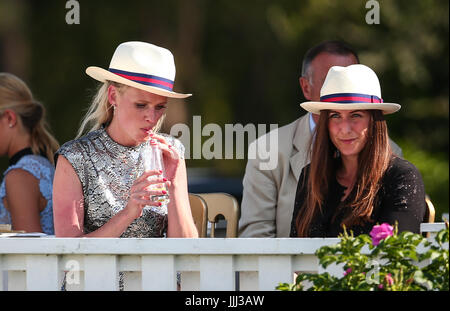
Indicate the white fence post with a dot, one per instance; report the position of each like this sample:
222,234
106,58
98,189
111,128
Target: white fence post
217,273
189,266
101,273
273,270
3,283
158,272
71,269
248,280
190,280
14,272
17,281
42,272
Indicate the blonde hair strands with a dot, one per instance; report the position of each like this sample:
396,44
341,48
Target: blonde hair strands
101,112
15,95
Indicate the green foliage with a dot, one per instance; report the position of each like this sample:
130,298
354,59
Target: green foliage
401,262
240,59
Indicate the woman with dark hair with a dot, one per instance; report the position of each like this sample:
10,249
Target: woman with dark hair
354,180
26,189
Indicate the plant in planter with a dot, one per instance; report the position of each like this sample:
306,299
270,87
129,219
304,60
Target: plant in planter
383,261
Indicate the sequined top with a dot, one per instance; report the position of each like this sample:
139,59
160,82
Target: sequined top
401,198
107,171
43,170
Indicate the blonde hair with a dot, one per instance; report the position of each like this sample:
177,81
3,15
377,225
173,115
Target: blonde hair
100,112
15,95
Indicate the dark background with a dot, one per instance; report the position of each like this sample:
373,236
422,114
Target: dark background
241,60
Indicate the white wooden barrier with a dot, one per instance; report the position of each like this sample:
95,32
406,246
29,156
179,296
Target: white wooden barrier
42,263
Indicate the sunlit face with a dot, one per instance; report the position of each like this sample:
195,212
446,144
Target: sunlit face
136,114
348,130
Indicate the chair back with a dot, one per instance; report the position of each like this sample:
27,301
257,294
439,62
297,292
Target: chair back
199,212
222,204
430,212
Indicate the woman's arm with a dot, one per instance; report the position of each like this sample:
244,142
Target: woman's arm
23,199
180,221
68,204
404,199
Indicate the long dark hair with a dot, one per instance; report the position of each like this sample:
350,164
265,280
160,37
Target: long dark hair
373,161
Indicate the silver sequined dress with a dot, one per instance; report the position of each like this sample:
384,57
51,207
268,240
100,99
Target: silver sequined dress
107,171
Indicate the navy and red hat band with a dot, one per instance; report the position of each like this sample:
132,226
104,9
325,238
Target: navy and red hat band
145,79
348,98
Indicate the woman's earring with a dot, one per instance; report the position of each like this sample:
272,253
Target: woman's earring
10,125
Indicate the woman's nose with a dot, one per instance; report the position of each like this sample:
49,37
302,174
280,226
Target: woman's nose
345,126
150,115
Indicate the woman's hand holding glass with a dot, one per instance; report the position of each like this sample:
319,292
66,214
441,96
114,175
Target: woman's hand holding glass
170,157
152,160
142,191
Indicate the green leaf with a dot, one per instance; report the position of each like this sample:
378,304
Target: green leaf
422,280
442,236
283,287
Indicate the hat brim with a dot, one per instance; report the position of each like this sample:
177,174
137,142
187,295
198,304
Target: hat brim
316,107
103,75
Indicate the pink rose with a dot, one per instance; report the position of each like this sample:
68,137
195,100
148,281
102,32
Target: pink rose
381,232
349,270
389,279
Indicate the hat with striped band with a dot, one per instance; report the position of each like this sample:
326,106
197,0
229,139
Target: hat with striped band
141,65
355,87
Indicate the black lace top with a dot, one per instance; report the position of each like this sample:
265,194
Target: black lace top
401,198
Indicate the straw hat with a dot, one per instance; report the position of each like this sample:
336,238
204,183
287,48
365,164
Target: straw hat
355,87
141,65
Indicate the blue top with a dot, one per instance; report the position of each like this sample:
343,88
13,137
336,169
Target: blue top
43,170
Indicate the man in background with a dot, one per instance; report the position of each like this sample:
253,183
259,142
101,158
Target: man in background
268,197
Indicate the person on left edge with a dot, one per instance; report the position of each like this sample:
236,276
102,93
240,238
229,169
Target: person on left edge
26,189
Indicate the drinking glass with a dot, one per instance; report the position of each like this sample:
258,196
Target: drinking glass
152,159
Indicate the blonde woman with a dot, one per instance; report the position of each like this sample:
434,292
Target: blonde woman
26,189
100,188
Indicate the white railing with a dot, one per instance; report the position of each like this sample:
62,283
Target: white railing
45,263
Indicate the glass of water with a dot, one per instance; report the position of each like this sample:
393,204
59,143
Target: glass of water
152,159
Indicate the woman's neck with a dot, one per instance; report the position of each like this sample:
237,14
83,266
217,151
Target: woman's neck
346,175
117,134
19,142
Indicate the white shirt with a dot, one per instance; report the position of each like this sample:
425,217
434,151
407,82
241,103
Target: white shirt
312,124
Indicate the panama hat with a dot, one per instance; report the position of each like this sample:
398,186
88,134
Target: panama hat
353,87
141,65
